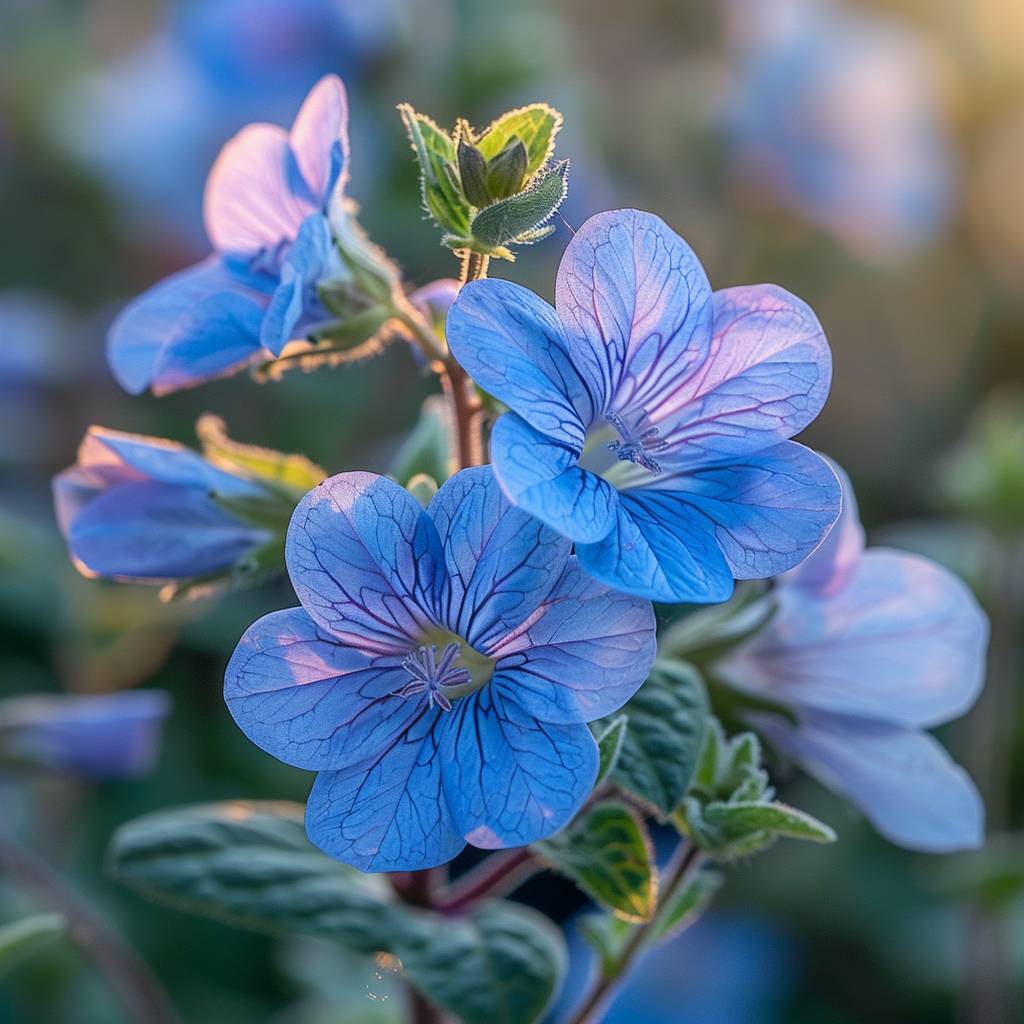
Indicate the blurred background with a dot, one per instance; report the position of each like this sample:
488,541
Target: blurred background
866,154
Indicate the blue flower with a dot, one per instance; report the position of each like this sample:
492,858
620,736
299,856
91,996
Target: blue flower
265,205
439,672
101,736
867,649
650,417
144,509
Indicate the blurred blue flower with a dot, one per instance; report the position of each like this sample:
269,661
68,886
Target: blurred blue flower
650,417
147,510
99,736
439,673
264,207
868,649
834,113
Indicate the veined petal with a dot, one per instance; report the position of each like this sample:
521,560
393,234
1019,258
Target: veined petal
541,476
904,781
255,196
501,561
310,701
166,316
829,566
365,561
770,510
512,344
388,813
765,378
509,779
636,305
156,531
902,642
661,548
581,656
319,138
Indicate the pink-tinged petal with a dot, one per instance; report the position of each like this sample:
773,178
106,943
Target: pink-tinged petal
636,305
829,566
310,701
766,377
510,780
902,642
365,561
904,781
255,198
581,655
319,138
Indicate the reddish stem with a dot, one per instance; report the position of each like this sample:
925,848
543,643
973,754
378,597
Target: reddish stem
496,876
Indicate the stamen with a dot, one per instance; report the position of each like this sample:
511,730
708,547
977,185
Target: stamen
431,676
637,442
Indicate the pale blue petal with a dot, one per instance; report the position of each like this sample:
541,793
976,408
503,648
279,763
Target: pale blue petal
501,562
157,531
542,477
904,781
509,779
166,316
902,642
310,701
365,561
319,138
511,343
388,813
636,305
770,510
661,548
765,378
581,656
829,567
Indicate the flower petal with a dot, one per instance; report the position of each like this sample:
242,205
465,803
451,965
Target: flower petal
903,642
765,378
512,344
636,305
310,701
365,561
166,316
509,779
157,531
541,476
501,561
319,138
904,781
388,813
661,548
255,197
769,510
581,656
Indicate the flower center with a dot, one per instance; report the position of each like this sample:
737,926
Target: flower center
638,440
458,670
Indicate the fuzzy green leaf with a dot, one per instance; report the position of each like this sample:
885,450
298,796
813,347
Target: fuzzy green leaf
535,126
522,214
436,155
735,820
687,904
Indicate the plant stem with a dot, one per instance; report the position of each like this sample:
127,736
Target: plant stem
416,888
685,859
498,875
128,976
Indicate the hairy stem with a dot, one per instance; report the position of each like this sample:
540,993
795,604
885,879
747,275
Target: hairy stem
685,860
498,875
126,973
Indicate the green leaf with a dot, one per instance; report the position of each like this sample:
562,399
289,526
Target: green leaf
506,173
504,221
473,174
667,719
502,965
609,746
607,936
535,126
427,448
293,473
735,820
439,183
687,904
607,853
20,939
251,865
